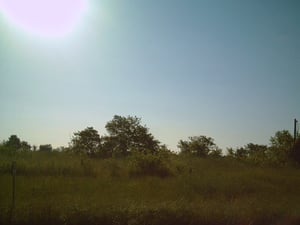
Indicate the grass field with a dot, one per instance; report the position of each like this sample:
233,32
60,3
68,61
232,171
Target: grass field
61,188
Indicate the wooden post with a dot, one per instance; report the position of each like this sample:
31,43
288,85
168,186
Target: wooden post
295,130
13,171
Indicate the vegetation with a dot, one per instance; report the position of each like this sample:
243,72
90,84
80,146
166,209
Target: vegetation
46,148
61,188
282,151
201,146
87,141
125,134
128,177
295,152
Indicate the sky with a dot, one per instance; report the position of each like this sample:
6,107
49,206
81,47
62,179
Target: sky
224,69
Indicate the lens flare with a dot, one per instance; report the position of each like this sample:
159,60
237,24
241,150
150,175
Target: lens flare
44,17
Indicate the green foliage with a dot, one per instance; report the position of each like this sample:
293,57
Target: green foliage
241,153
282,140
14,145
25,146
60,187
251,152
45,148
295,152
199,146
216,153
217,191
279,153
126,133
281,145
44,163
230,153
257,153
86,141
145,164
4,150
13,142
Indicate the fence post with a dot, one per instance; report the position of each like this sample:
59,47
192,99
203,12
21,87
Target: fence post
295,130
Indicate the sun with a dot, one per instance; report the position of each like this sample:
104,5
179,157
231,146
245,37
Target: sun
44,17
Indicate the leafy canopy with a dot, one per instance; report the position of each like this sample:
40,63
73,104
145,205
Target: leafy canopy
127,133
282,140
86,141
13,142
199,145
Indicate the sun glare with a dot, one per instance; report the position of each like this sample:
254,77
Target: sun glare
44,17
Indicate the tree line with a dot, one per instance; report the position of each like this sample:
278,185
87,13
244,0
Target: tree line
126,136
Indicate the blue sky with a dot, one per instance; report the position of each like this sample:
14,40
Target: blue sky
225,69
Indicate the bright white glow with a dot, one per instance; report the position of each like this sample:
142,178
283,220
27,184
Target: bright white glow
44,17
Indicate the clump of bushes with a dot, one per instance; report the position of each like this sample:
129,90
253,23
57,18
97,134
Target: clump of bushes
295,151
148,164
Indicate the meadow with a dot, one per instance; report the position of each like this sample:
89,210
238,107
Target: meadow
63,188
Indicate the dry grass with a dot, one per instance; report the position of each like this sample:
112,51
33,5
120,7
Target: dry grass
59,188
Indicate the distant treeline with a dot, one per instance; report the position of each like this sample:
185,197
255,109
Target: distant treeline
127,136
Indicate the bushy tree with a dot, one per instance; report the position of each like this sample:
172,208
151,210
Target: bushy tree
126,133
241,153
277,153
281,146
108,145
282,140
45,148
251,152
257,153
215,153
230,152
87,141
13,142
197,145
295,152
25,146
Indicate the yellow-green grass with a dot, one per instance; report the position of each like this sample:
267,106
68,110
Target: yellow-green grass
59,188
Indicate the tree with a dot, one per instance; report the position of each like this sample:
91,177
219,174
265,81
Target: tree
197,145
241,153
126,133
13,142
45,148
25,146
216,153
252,152
107,147
295,152
282,140
281,146
257,153
87,141
230,152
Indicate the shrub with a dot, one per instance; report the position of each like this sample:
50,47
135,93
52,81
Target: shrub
295,152
146,164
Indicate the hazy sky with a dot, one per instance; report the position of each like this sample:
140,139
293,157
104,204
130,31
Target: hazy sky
229,69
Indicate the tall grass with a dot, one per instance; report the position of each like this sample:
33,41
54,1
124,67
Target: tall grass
64,189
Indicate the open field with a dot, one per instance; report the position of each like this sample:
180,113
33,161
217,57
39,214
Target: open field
60,188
